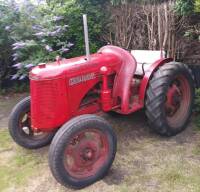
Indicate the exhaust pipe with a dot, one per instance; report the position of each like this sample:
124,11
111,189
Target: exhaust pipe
87,47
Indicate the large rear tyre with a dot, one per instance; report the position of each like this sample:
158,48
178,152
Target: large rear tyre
20,127
82,151
170,99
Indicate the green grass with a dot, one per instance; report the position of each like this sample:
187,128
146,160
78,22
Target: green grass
5,140
144,162
196,150
17,165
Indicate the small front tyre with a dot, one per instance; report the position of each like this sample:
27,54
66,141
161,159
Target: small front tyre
82,151
20,127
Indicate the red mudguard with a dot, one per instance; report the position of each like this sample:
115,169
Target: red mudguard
121,89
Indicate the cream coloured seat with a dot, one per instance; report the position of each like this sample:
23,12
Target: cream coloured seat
145,58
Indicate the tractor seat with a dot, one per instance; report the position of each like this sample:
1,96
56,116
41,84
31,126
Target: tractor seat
145,58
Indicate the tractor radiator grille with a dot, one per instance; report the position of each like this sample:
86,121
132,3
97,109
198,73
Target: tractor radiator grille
48,103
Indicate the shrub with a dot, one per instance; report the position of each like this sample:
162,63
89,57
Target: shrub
197,101
39,36
54,29
184,7
197,6
31,34
197,108
8,14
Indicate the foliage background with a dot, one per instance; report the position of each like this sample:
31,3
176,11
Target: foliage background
31,33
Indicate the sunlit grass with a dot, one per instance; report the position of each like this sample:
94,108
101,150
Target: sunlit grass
144,162
16,164
5,140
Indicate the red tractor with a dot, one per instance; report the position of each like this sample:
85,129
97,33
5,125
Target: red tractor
66,94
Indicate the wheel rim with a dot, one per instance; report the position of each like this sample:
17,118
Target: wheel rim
178,101
86,153
25,127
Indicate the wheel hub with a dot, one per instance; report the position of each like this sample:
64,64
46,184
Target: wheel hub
88,154
85,153
178,101
174,98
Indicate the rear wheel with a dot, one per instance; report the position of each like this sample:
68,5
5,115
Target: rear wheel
170,98
20,127
82,151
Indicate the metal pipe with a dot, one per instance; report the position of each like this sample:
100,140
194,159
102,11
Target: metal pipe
87,47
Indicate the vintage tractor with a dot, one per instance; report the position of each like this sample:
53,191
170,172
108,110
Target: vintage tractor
66,94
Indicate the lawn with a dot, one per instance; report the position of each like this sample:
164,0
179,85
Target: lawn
144,162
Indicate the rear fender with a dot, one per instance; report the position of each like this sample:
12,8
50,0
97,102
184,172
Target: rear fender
147,77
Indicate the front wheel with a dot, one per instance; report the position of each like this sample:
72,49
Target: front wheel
20,127
82,151
170,98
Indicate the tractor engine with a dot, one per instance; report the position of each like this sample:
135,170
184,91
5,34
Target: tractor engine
59,89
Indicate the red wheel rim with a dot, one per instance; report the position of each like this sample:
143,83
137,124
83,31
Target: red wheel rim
25,127
178,101
86,153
